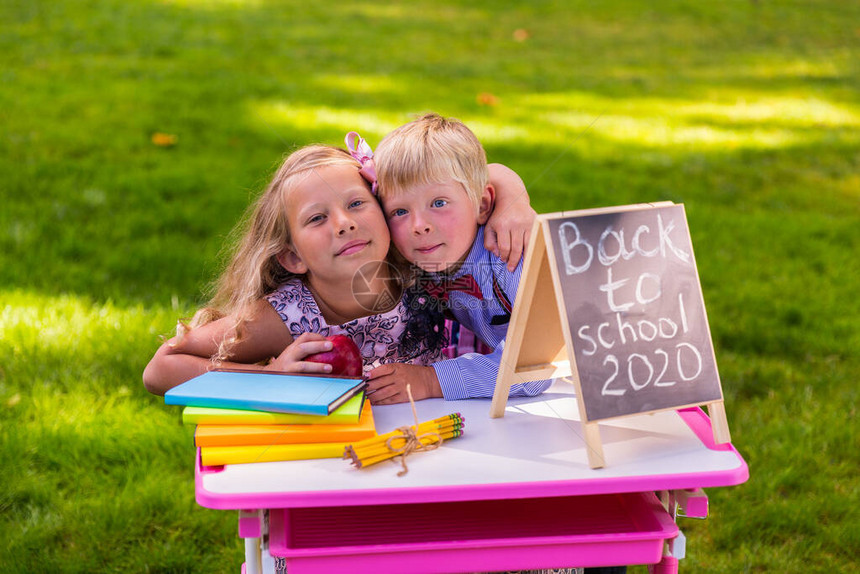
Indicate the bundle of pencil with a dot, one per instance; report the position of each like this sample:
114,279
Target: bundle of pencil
385,446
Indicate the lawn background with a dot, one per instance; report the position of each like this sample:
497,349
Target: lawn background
745,111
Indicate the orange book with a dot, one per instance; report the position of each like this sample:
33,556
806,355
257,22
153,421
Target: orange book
239,435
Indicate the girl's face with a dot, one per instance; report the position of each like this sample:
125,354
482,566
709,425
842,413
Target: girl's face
336,225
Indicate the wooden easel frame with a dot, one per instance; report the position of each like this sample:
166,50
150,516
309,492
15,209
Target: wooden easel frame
539,344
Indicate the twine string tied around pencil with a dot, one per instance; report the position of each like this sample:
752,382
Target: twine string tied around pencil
413,444
413,440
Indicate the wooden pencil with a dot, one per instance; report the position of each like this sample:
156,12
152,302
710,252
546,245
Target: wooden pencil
398,443
440,420
389,445
375,442
362,462
397,436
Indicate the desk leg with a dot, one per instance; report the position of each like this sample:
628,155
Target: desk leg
668,565
692,503
251,529
253,563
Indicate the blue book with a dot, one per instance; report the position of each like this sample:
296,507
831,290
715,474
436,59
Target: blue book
266,391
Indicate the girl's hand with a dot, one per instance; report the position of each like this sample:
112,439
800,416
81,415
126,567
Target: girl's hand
508,231
386,384
291,359
509,228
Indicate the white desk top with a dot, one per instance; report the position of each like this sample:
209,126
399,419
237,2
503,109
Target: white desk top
535,450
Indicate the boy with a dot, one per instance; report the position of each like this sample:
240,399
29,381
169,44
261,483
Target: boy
435,192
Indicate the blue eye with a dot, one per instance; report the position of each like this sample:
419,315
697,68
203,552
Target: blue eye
398,212
316,218
356,203
440,203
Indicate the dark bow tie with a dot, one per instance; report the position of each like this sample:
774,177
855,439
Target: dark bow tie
466,284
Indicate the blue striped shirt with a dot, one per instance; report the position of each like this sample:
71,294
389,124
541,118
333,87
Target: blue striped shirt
473,375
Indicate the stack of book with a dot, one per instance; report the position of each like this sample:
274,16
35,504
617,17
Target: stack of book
260,416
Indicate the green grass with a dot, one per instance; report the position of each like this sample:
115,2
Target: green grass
747,112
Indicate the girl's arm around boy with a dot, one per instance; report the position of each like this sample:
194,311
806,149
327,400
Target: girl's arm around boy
264,343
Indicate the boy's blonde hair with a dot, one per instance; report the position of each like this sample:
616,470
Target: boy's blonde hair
431,149
264,233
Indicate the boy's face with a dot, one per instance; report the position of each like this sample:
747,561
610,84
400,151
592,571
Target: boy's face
434,225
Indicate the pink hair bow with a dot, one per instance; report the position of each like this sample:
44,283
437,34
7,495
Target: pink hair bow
364,155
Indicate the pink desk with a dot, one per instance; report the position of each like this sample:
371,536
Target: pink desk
512,493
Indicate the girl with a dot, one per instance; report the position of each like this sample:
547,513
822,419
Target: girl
312,262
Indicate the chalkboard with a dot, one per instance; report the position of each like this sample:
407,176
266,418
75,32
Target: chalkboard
611,298
635,314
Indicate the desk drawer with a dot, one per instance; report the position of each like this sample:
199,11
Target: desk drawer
485,535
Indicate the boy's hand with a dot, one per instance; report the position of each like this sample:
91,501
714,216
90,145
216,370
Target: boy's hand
386,384
290,359
508,230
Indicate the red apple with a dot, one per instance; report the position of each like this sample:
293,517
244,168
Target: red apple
344,357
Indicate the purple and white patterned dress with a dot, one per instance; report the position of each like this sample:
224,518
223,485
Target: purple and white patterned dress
380,338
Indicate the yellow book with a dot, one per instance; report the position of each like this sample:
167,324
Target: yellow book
348,413
220,455
237,435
